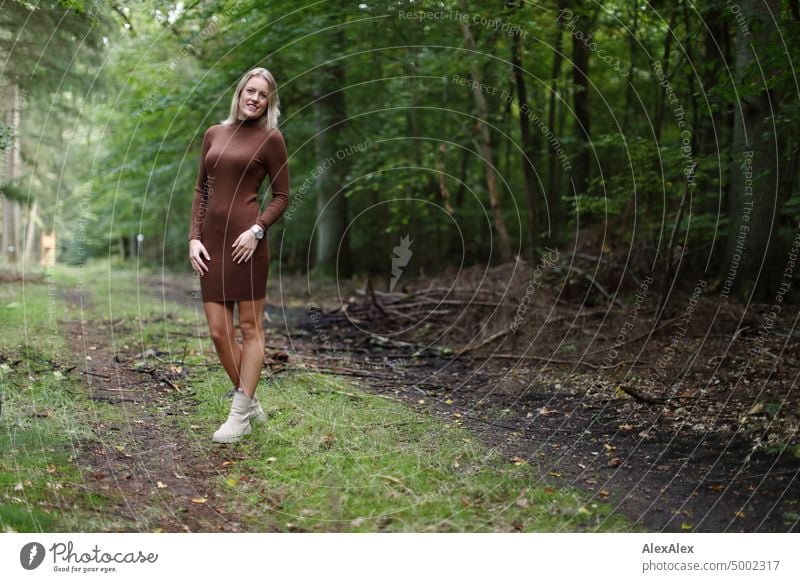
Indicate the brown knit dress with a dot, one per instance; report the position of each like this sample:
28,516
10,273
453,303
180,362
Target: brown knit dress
233,163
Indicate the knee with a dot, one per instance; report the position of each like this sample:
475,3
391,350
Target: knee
251,331
221,336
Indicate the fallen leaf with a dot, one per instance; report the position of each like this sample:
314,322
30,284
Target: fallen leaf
554,474
615,462
160,485
517,460
199,500
626,427
686,526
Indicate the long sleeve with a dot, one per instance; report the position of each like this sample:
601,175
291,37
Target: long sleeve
200,203
277,163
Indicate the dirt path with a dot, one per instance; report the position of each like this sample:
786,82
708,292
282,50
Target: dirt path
140,455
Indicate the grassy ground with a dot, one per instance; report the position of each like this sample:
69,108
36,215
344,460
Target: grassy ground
330,458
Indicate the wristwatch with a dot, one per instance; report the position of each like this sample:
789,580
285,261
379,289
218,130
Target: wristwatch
257,231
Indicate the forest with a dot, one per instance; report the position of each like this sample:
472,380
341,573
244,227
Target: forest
570,226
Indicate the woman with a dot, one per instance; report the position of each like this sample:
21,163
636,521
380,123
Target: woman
227,243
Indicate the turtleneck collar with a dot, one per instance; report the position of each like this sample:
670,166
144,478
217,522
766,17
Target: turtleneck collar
246,122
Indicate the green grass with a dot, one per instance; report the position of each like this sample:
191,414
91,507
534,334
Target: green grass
44,419
45,414
332,458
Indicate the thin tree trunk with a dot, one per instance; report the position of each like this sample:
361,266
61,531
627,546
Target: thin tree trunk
528,146
10,207
30,238
665,60
633,43
553,171
330,116
485,146
580,103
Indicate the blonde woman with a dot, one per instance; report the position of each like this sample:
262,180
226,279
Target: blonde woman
227,235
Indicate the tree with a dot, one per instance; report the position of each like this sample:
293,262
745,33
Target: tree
752,250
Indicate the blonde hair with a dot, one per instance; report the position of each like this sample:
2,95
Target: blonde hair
269,118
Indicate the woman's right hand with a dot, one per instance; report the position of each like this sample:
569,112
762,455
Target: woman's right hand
196,250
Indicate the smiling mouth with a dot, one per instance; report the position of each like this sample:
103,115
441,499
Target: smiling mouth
253,107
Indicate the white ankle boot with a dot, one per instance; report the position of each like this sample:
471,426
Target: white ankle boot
257,413
238,423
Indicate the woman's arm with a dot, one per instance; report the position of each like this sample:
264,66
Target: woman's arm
200,194
277,163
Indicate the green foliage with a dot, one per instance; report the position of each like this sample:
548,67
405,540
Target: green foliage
119,155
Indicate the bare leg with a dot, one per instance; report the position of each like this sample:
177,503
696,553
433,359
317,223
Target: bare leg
250,322
220,324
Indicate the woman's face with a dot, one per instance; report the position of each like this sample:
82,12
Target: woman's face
253,98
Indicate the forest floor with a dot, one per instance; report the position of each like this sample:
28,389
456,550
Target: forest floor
110,390
679,425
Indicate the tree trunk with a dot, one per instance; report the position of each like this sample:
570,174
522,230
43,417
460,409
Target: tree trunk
30,238
662,91
554,218
580,103
633,44
528,147
11,207
330,116
752,237
485,145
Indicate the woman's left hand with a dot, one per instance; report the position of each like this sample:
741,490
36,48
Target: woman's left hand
244,246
